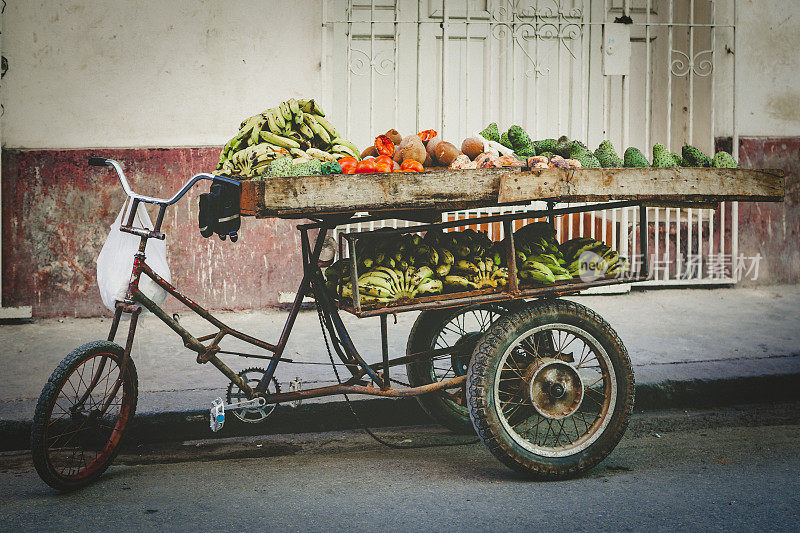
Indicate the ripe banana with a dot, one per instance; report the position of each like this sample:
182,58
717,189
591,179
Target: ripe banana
421,274
320,154
343,142
278,140
311,106
343,150
428,286
465,266
286,113
318,130
458,282
297,114
328,127
443,270
305,131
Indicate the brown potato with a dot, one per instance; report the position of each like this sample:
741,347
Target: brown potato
431,146
369,151
412,148
429,160
394,136
472,147
446,152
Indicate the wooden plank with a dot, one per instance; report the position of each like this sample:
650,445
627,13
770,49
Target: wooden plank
664,184
449,190
316,195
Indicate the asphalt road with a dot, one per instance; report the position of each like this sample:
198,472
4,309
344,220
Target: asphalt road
728,470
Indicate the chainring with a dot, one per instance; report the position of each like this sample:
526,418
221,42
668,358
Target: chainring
252,377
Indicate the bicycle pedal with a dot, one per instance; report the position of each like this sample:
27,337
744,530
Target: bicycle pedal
217,412
296,385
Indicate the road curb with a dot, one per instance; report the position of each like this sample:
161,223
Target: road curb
336,416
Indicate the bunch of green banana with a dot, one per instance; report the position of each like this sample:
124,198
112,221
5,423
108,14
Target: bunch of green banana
536,272
537,238
542,269
585,255
298,126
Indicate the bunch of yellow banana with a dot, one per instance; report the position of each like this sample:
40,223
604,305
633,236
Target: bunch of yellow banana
252,160
298,127
476,273
384,284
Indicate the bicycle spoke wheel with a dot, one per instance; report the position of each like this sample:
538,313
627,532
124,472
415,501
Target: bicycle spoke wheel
458,329
550,389
82,415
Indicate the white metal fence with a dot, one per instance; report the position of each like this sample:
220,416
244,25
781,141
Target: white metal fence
556,67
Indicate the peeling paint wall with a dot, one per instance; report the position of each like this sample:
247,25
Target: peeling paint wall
58,210
772,229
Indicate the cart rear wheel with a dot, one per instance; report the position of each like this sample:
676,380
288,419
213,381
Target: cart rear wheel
461,328
550,389
82,414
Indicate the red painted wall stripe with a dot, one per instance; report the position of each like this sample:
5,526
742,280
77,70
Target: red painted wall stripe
57,212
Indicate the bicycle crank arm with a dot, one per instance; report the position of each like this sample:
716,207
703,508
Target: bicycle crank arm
217,413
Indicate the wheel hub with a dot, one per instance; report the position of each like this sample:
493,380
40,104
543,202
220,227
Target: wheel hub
553,387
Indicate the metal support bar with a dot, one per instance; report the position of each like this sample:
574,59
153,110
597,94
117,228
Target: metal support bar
451,383
351,247
385,352
499,218
643,240
511,256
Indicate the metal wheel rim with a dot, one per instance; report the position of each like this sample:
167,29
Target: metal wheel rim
121,408
592,431
483,318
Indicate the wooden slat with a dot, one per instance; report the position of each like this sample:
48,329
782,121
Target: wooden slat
664,184
317,195
448,190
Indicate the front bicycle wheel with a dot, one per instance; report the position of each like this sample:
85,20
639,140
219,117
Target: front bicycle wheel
82,414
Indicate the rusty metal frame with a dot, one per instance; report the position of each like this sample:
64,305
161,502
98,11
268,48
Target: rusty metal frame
313,283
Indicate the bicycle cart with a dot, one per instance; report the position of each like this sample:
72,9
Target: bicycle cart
546,383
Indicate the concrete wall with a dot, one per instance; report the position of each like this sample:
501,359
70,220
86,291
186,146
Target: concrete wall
768,88
95,73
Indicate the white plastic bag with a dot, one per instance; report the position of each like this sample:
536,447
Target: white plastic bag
115,262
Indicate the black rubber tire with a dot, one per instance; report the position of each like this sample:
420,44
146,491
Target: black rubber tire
47,401
481,398
429,324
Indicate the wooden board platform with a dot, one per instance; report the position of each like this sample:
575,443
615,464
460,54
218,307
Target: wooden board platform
448,190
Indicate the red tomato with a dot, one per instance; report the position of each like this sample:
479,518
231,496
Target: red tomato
412,165
348,165
384,163
366,166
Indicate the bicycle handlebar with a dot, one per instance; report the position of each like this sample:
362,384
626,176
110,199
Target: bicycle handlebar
101,162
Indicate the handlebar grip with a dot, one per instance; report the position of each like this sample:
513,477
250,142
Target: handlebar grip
98,162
